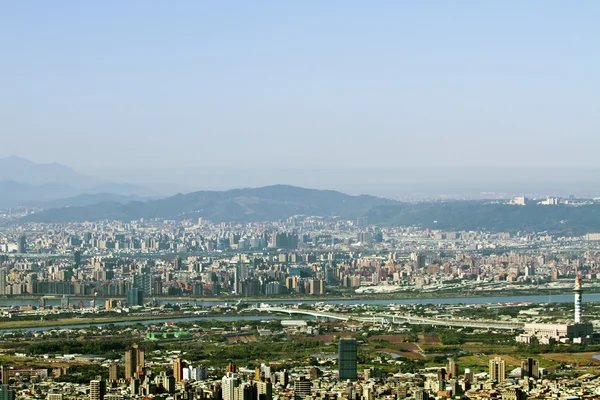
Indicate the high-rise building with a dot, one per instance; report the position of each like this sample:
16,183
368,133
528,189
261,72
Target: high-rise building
497,369
530,368
143,281
452,369
22,245
347,354
3,274
229,384
6,393
264,390
113,372
134,362
578,300
302,388
5,377
97,390
178,366
135,297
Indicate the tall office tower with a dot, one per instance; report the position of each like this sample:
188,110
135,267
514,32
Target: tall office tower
229,384
3,274
236,280
302,388
452,369
347,351
77,258
96,390
22,245
6,393
530,369
420,262
143,281
134,362
113,372
497,369
65,302
5,377
135,297
578,300
178,366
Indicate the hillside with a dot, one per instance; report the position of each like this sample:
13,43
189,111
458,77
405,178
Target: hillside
269,203
480,215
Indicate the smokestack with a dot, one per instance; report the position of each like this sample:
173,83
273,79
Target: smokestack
578,295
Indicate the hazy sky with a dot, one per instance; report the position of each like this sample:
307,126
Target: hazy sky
142,85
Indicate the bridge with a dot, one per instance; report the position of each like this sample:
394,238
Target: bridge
395,319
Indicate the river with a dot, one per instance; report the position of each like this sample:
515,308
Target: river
562,298
559,298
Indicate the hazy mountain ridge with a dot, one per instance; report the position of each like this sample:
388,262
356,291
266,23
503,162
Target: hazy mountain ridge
268,203
26,183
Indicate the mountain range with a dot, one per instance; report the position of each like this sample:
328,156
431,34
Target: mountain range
278,202
26,183
270,203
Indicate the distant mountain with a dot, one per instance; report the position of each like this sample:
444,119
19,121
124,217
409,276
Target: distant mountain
21,170
269,203
23,182
86,200
14,193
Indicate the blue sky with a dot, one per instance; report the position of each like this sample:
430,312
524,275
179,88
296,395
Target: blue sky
111,86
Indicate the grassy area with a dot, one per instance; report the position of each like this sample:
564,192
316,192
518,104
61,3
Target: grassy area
80,321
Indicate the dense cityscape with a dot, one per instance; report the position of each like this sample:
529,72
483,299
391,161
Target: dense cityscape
310,307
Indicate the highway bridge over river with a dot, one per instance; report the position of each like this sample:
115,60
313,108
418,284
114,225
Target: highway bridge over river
394,319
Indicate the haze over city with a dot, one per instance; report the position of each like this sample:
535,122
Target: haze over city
330,95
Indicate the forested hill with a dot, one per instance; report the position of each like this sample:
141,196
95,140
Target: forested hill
486,216
270,203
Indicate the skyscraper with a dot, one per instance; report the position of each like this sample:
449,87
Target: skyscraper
3,274
134,362
229,384
4,375
347,351
178,366
143,281
135,297
452,369
497,369
97,390
530,369
113,372
22,245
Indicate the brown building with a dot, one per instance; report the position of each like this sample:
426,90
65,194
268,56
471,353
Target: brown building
113,372
134,362
178,366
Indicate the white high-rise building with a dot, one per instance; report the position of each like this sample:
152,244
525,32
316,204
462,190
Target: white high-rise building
229,384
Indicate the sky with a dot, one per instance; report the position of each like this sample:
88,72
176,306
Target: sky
155,90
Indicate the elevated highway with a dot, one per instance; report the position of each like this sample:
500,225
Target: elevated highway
394,319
